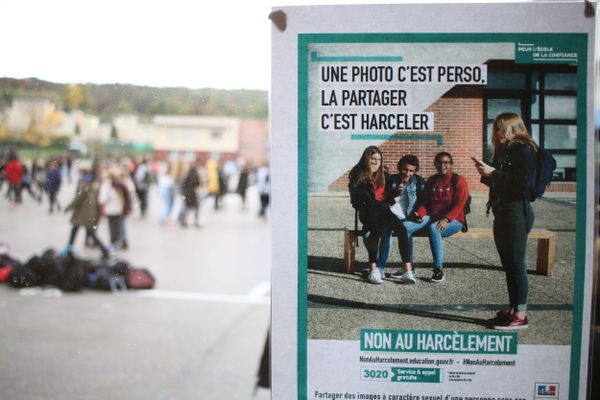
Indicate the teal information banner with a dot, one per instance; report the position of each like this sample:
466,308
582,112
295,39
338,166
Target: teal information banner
438,341
545,51
417,375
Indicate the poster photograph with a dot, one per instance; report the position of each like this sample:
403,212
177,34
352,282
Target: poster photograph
394,280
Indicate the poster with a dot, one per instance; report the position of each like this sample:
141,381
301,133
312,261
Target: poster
420,80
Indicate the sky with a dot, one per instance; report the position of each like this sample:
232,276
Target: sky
221,44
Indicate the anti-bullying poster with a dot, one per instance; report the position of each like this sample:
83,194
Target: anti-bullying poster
429,80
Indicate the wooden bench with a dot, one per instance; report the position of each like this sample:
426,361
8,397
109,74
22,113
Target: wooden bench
545,253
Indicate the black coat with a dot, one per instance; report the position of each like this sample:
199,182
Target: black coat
371,212
510,180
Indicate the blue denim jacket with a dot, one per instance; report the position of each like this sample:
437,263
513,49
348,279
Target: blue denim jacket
409,196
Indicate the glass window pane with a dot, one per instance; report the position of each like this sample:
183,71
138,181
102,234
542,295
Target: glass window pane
560,107
505,80
560,136
535,80
535,133
565,167
498,106
487,151
561,81
535,107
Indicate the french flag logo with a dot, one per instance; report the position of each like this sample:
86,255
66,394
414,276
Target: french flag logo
546,389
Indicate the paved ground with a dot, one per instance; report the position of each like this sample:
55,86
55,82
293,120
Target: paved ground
340,304
198,335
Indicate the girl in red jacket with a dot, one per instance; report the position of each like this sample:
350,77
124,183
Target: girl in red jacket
13,172
441,211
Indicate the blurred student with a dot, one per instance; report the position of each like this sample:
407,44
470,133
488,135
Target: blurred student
127,187
38,176
143,178
113,199
52,186
242,186
13,173
263,183
190,187
84,207
166,189
212,180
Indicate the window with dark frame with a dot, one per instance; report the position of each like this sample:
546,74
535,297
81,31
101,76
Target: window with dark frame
546,98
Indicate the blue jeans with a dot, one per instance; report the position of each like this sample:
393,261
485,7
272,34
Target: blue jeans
168,197
385,243
435,237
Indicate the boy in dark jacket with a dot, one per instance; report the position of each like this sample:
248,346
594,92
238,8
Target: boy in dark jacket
53,182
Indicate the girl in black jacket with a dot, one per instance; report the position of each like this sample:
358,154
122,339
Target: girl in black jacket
508,177
367,182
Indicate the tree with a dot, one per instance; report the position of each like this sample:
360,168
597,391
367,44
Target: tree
74,97
114,134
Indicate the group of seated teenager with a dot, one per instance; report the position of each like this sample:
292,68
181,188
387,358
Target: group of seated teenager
405,203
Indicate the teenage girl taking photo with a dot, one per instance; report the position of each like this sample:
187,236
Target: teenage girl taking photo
513,163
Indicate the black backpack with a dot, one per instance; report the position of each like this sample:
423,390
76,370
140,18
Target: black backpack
73,276
49,267
467,208
23,276
544,171
108,275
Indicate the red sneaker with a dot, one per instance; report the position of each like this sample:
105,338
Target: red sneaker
501,317
513,322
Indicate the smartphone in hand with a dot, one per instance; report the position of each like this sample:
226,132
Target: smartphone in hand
477,161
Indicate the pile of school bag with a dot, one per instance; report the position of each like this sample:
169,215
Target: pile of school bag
70,273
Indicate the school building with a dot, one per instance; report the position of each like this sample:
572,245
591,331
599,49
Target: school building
545,95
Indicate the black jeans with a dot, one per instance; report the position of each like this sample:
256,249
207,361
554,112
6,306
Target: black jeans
114,228
264,203
376,217
92,234
511,223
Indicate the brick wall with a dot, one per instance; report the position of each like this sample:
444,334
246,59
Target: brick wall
254,139
458,118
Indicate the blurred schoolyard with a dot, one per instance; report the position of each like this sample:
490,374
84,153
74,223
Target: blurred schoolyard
198,334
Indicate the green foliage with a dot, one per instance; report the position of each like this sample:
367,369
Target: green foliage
106,101
28,150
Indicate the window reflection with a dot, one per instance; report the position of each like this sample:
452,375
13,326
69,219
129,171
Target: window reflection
560,137
561,81
560,107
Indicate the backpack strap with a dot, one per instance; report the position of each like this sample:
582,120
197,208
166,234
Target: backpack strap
356,226
420,183
453,180
420,190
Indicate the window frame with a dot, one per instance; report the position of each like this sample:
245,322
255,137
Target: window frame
525,95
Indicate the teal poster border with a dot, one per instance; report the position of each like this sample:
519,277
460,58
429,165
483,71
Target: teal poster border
577,42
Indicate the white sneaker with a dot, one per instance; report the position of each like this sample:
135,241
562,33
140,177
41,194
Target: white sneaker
409,277
397,276
375,277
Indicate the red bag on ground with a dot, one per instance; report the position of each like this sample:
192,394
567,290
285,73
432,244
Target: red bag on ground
139,278
5,271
